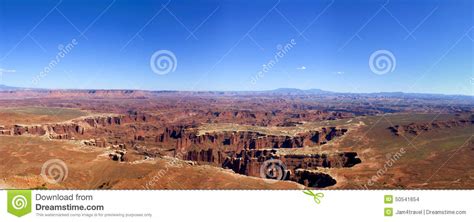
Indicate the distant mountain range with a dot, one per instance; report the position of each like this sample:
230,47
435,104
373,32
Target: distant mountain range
293,91
5,88
279,91
300,91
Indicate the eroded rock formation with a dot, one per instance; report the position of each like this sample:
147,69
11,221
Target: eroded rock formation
299,168
416,128
256,140
244,152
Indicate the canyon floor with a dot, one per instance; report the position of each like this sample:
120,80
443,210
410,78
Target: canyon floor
126,139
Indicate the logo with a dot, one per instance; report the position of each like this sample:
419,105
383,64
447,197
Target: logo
388,212
163,62
382,62
54,171
19,202
388,199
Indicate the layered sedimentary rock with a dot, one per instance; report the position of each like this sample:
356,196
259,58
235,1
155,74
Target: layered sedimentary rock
275,117
32,130
79,126
416,128
136,128
245,152
253,162
5,131
118,155
114,120
55,131
256,140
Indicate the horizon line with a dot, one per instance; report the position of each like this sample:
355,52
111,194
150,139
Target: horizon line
15,88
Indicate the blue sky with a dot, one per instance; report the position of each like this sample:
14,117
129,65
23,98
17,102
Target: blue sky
222,45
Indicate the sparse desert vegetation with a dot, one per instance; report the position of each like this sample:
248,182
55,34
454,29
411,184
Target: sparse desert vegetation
37,115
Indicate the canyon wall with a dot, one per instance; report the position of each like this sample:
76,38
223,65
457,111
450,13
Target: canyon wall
244,152
416,128
256,140
299,168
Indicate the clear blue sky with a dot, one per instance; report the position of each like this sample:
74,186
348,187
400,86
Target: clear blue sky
233,39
